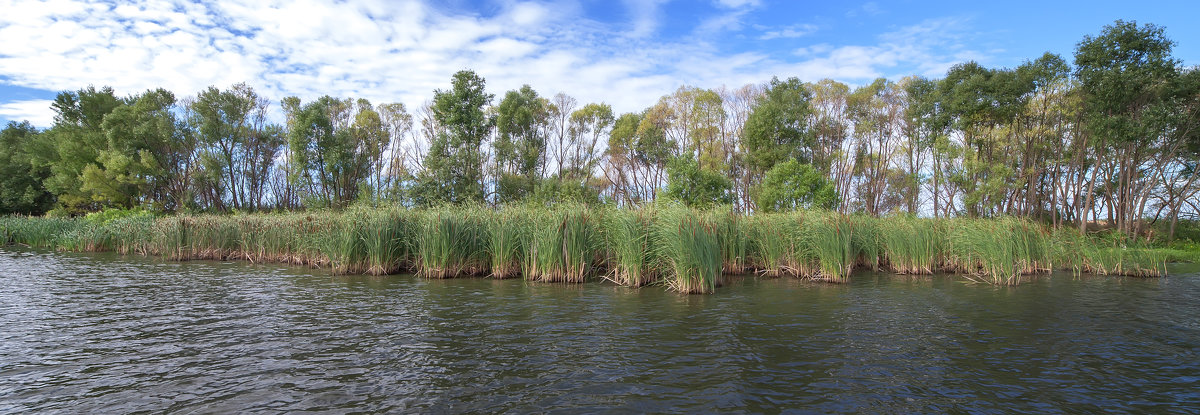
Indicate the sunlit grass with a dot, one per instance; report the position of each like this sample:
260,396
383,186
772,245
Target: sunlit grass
688,250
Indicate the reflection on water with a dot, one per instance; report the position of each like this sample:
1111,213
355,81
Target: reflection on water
103,333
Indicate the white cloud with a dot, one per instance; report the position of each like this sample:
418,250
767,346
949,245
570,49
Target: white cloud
644,15
390,51
790,32
737,4
869,8
35,111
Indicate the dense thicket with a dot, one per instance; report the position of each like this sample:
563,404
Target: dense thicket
1112,138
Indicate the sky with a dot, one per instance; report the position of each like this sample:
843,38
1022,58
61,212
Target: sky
626,53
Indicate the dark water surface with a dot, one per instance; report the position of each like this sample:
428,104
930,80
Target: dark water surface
98,333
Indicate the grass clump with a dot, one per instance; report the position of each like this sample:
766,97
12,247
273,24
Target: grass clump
627,236
452,243
689,250
508,237
562,245
911,245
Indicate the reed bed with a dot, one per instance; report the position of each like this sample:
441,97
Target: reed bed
687,250
452,243
562,245
627,235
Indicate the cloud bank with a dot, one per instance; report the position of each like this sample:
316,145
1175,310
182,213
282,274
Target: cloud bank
400,51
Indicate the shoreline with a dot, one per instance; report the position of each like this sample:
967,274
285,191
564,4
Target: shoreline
689,251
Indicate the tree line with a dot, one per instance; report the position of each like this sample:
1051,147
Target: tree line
1112,137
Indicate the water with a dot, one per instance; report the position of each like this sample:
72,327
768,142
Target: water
88,333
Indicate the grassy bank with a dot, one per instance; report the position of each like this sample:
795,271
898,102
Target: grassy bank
687,250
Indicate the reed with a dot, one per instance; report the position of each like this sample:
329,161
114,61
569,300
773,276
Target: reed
773,244
685,249
508,236
35,231
563,245
627,241
911,245
452,243
830,242
733,237
388,239
689,251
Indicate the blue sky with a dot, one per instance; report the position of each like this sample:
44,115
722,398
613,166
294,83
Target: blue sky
623,52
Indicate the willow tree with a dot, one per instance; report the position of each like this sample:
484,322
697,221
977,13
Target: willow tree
21,189
1124,75
238,146
148,158
73,143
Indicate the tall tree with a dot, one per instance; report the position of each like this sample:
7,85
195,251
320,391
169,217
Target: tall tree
239,145
21,188
520,145
777,129
333,146
147,157
588,125
75,142
454,166
1125,74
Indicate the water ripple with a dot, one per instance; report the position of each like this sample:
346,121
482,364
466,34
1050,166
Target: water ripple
103,333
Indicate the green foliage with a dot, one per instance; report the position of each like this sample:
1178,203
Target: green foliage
695,187
107,215
74,143
1122,72
454,165
554,191
520,145
790,186
777,128
21,189
688,250
144,159
238,147
329,159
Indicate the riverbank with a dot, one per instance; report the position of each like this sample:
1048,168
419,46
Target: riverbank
689,251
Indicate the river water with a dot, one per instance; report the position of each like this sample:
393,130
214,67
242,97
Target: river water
101,333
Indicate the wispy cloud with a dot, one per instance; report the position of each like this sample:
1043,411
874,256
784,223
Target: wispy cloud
790,32
738,4
400,51
35,111
867,9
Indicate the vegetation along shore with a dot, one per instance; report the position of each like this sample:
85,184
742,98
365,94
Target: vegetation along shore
685,249
990,173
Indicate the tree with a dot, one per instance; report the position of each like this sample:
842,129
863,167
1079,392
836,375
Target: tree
145,162
588,124
21,189
791,185
923,124
1125,75
238,146
333,155
520,145
454,166
73,143
777,128
696,187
